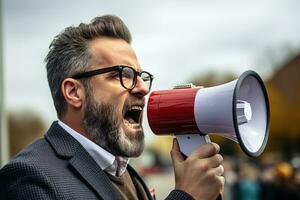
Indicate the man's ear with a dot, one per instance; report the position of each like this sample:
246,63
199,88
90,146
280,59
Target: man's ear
73,92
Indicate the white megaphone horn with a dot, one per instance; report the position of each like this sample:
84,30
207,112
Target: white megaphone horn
238,110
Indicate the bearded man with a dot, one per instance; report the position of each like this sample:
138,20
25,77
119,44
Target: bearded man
98,88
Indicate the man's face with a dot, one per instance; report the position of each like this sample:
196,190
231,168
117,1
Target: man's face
113,114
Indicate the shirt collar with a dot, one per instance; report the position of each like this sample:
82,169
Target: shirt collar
106,161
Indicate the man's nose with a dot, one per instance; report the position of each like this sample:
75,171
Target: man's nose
140,87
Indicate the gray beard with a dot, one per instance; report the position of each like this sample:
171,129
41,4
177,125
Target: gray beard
105,127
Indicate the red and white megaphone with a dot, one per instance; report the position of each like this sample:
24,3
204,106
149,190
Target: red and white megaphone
238,110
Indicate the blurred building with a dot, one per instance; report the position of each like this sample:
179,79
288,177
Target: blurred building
284,96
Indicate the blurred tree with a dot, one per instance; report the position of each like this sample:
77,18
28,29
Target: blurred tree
24,127
213,78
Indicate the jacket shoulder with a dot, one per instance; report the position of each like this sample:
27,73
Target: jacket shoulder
23,178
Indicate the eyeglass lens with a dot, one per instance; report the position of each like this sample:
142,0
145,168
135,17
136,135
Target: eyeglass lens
129,78
147,79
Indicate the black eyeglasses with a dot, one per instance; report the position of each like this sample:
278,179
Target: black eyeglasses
127,75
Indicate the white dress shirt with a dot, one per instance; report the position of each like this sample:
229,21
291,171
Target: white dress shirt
111,164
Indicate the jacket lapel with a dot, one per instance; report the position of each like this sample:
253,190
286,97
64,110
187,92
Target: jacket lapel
91,172
69,148
134,173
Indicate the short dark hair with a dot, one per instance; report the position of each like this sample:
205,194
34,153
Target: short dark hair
68,52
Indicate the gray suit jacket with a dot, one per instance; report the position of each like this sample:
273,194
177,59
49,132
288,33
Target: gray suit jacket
58,167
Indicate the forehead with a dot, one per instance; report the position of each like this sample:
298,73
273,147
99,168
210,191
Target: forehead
107,52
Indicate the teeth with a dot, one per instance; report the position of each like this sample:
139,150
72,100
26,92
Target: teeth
136,108
131,125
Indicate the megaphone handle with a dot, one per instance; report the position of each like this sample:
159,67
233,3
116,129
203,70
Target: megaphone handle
190,142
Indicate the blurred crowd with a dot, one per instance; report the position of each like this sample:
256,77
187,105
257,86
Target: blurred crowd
263,180
269,177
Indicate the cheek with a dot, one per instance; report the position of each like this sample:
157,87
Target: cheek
117,100
118,104
110,93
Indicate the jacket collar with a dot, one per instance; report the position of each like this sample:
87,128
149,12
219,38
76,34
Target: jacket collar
66,147
62,142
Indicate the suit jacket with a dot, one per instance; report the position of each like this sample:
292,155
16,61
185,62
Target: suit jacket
58,167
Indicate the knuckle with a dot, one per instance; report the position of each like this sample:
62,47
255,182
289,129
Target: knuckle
203,166
211,175
222,169
219,158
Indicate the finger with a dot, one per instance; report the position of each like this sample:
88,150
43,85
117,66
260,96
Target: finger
215,179
205,151
221,182
176,155
219,171
211,162
216,174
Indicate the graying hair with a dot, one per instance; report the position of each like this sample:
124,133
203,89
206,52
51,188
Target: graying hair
69,53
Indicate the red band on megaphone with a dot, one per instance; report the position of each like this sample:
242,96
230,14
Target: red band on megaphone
171,111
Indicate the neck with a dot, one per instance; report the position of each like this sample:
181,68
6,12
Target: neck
75,123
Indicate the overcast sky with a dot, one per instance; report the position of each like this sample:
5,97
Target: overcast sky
174,40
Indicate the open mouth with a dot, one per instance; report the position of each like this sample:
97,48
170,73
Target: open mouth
133,116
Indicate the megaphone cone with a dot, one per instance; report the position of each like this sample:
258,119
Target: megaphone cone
238,110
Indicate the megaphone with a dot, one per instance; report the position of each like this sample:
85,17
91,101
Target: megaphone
238,110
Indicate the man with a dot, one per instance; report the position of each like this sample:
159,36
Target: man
98,89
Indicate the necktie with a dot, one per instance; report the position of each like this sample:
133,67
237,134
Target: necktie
118,172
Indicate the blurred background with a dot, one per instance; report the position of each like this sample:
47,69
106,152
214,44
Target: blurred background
202,42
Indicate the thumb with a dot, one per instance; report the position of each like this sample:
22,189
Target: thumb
176,155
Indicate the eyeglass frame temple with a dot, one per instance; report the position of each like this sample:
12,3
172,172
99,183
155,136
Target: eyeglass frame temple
96,72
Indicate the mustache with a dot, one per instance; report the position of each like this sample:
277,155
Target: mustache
135,101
